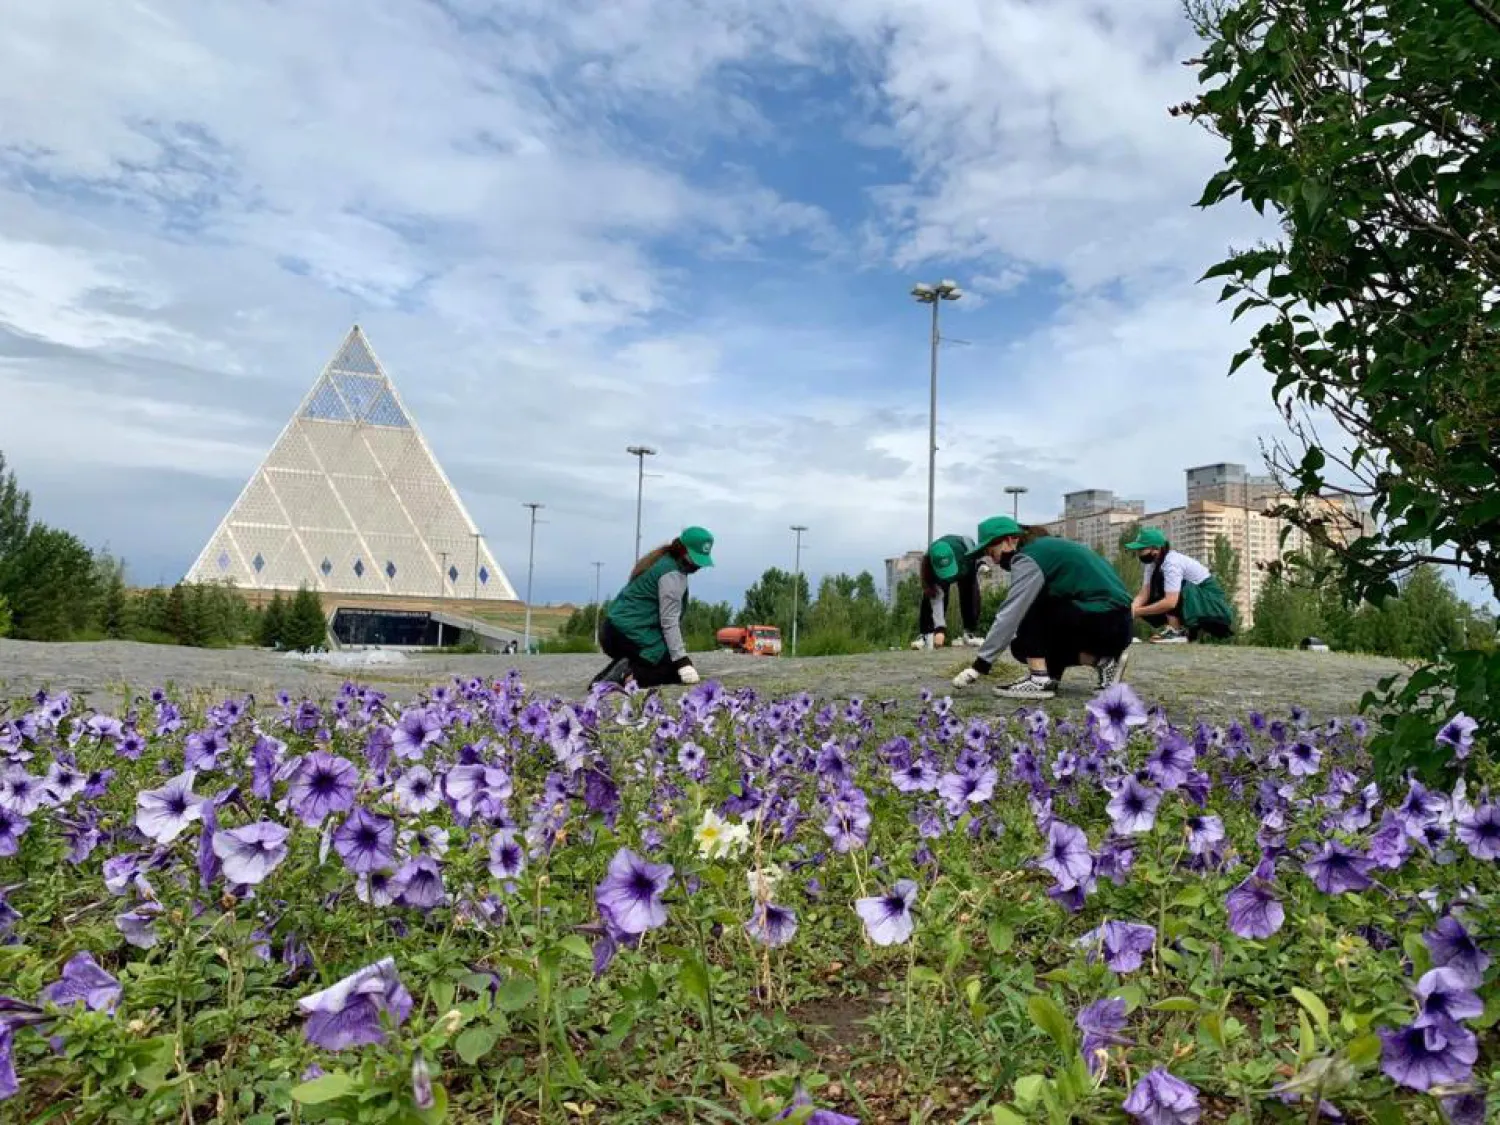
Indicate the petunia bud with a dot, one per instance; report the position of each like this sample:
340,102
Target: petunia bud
421,1082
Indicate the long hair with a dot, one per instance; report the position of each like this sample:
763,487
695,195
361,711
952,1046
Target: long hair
1033,533
928,577
651,558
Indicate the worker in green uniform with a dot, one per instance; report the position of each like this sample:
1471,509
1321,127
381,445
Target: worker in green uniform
642,633
1178,593
1065,606
948,562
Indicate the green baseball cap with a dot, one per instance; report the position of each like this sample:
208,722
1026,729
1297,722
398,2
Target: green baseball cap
996,527
1147,537
944,561
699,542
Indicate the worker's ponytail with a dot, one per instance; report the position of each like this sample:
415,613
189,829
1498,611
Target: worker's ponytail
651,558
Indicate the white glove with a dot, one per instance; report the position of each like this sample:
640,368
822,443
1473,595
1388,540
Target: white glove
924,641
688,674
966,677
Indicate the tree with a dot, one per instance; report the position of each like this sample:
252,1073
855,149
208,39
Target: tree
306,629
116,613
273,622
50,583
4,617
769,602
1368,130
15,513
1226,567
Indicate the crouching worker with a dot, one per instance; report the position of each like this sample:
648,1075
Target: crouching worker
949,562
1065,606
1178,593
642,631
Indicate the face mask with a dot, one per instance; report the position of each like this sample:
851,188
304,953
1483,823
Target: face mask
1006,558
1149,557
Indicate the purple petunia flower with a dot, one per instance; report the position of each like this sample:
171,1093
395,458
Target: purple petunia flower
1117,710
916,777
1447,995
84,982
690,756
1303,758
1067,857
12,827
960,790
1161,1099
1452,947
1133,808
1336,870
347,1014
1123,944
800,1099
138,926
162,814
9,1085
630,894
1204,833
419,883
20,792
1423,1055
772,925
1464,1109
1254,910
375,888
1458,735
507,857
416,792
251,853
64,782
1480,832
887,917
1100,1023
366,842
322,784
416,730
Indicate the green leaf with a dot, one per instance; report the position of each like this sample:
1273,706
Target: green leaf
324,1088
1314,1006
1050,1018
1029,1089
693,978
924,975
579,948
475,1043
1176,1004
1307,1044
1001,1115
1002,937
515,994
1364,1050
1193,896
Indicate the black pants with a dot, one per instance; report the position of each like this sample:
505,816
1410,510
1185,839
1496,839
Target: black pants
1058,631
618,647
968,606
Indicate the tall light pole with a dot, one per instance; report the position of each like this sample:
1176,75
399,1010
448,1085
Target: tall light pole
796,581
474,574
934,295
640,453
598,606
530,560
1016,491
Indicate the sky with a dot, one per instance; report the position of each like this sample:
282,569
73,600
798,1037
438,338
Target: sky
569,227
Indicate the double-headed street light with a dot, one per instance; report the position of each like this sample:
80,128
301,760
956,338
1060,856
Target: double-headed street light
934,295
640,453
1015,492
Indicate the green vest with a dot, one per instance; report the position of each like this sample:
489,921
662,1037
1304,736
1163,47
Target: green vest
1077,574
636,612
961,548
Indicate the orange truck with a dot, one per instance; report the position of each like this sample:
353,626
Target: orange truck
754,640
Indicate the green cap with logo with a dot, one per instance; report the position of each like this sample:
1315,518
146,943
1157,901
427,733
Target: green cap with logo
944,560
699,542
993,529
1147,537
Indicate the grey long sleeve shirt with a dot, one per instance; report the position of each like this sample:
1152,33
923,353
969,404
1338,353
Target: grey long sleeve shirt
671,591
1026,583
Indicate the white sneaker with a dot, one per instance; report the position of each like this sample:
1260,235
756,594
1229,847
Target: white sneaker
969,640
1170,636
1032,687
922,642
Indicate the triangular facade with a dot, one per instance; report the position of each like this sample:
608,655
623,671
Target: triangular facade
350,500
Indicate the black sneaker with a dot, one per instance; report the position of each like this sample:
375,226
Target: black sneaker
1111,670
1170,636
615,674
1032,687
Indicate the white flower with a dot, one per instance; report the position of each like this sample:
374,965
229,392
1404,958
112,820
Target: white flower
717,838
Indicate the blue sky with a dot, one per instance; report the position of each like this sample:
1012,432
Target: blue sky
567,227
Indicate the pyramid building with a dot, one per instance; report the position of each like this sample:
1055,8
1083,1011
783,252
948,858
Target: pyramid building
351,501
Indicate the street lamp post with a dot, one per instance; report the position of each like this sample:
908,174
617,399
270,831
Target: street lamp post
934,295
442,592
598,607
796,581
474,574
530,560
640,453
1016,491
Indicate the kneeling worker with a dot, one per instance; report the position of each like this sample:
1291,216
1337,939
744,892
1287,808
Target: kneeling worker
642,631
950,561
1065,606
1178,593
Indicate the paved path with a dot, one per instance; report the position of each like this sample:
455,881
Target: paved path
1217,682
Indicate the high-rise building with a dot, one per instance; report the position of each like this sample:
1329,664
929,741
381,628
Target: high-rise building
351,501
